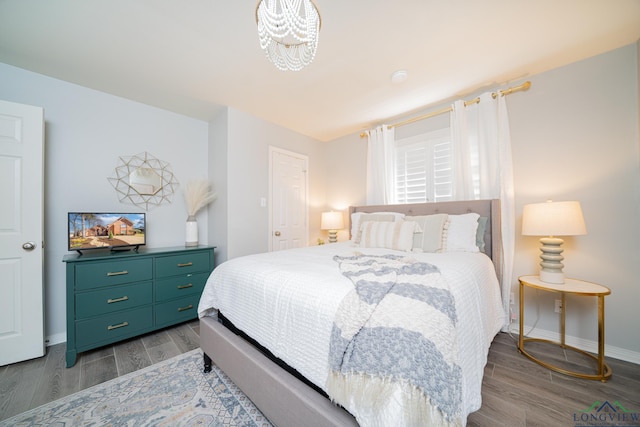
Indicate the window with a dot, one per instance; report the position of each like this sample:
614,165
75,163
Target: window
423,168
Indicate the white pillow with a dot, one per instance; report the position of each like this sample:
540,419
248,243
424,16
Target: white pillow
396,235
461,233
430,238
357,218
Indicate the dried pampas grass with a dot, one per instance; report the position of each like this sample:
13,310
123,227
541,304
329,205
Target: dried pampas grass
198,194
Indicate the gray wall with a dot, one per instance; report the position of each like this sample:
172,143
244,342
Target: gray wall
86,132
218,171
247,164
574,137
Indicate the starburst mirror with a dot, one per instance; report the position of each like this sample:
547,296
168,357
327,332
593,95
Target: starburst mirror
143,180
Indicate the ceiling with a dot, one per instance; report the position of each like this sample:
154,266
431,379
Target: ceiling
196,56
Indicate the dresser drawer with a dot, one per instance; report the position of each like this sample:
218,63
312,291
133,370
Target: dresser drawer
188,262
113,327
177,310
108,273
180,286
108,300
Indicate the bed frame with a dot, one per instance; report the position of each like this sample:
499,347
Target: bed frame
286,400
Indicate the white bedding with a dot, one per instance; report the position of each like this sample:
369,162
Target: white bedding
287,300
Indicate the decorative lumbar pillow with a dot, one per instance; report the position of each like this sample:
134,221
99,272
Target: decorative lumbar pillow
357,218
430,238
396,235
461,233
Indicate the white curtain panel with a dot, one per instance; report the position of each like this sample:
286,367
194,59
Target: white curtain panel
380,166
481,141
463,148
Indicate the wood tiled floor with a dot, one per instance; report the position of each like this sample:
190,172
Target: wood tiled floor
515,392
519,392
32,383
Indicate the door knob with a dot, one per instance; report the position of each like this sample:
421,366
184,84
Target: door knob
29,246
277,233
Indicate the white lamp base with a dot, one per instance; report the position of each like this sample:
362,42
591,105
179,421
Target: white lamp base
552,277
551,265
333,236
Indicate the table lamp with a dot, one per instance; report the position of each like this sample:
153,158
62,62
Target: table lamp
552,219
333,222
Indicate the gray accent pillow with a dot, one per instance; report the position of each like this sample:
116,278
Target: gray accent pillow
430,238
482,226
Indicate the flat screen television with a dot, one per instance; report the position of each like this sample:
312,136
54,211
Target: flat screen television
106,230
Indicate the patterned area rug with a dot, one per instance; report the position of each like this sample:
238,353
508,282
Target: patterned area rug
171,393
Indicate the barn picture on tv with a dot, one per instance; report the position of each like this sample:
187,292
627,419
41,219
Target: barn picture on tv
89,230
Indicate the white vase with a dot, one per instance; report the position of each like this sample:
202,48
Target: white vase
191,231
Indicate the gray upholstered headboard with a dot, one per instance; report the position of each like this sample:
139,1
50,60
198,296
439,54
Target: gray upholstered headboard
486,208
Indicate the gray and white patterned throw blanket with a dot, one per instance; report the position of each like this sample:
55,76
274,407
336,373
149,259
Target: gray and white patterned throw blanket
394,338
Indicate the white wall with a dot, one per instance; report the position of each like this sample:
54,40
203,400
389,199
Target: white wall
575,137
86,132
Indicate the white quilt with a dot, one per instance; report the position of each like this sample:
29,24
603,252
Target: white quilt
287,301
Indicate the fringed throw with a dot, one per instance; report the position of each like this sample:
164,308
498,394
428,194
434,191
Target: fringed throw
394,340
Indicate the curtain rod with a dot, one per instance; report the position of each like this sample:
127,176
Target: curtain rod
524,86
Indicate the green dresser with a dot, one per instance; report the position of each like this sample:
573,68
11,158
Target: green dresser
112,296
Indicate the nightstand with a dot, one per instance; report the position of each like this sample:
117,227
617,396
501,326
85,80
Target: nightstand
576,287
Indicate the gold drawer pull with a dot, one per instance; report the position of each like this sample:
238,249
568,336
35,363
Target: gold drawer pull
121,325
124,298
189,307
117,273
190,285
186,264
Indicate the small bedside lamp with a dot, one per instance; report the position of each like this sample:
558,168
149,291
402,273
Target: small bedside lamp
333,222
552,219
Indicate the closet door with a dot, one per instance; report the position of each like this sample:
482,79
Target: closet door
21,232
289,202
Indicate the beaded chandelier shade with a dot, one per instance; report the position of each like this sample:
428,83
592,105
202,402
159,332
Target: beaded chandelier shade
288,32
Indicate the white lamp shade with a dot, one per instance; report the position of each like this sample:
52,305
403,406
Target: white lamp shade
332,221
553,219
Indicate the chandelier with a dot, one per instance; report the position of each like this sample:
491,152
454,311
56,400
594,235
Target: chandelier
288,31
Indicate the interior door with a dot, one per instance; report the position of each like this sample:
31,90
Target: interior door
21,232
289,203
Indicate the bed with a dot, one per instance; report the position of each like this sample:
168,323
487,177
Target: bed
288,313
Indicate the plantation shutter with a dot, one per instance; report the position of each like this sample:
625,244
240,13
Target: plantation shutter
423,168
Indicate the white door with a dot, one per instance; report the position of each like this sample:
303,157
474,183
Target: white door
21,232
289,204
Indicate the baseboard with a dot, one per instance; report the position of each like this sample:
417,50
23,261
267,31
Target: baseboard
55,339
586,345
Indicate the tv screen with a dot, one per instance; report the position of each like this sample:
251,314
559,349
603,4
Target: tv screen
110,230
